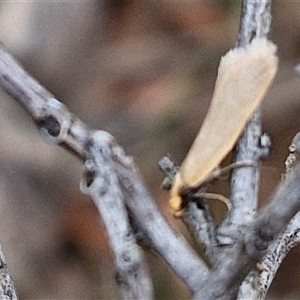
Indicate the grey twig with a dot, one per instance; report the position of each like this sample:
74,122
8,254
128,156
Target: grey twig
203,226
288,239
236,261
200,222
255,21
239,253
61,127
100,181
7,289
233,262
169,244
279,250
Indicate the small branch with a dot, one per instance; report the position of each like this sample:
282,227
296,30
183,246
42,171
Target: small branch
237,261
269,266
275,217
199,221
7,289
249,289
100,181
270,223
288,239
255,21
234,263
169,244
203,226
168,167
59,126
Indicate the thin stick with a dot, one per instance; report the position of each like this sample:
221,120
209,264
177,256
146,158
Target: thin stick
7,289
58,125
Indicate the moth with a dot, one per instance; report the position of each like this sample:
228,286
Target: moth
244,77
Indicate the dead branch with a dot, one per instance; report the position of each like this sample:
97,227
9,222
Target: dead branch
7,289
58,125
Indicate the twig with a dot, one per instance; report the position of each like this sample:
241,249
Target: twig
238,260
100,181
275,217
169,244
200,222
255,21
233,262
59,126
202,225
258,281
289,238
7,289
269,266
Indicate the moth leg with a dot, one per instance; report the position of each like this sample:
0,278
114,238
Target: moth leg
216,174
214,197
221,171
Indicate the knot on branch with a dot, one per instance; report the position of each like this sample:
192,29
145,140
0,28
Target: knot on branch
98,150
49,125
54,121
264,145
257,242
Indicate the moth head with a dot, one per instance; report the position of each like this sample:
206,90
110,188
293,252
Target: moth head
175,203
179,196
175,200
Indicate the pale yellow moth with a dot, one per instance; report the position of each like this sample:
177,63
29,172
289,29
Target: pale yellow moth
244,77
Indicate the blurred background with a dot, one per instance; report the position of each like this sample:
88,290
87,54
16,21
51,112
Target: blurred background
144,71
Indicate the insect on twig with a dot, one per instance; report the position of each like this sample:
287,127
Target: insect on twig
244,77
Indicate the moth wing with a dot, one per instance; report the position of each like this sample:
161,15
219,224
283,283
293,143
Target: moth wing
244,77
